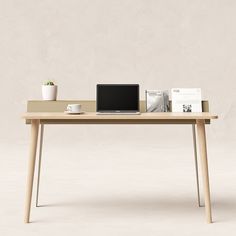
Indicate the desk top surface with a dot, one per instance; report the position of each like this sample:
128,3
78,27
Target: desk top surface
142,116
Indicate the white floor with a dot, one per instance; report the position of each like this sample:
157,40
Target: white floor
99,189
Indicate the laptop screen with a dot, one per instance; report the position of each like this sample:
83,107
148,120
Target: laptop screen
117,97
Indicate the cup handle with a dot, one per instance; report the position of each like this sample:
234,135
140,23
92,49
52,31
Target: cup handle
68,108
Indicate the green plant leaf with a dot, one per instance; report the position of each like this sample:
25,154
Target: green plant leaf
49,83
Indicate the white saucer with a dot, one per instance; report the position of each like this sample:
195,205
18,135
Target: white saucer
74,113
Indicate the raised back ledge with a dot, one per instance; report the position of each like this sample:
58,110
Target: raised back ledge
90,106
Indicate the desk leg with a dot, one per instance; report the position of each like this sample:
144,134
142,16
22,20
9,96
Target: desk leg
31,166
39,164
196,163
205,176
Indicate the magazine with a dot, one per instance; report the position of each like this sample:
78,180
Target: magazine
157,101
186,100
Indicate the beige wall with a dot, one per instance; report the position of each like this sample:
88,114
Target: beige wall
78,43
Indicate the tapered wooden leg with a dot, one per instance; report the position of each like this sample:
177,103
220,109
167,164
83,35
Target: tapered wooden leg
196,164
39,163
31,167
205,176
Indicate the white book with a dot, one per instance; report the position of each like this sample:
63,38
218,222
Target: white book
186,100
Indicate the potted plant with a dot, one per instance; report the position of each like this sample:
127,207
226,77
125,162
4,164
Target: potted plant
49,91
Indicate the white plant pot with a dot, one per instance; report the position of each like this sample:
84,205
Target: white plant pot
49,92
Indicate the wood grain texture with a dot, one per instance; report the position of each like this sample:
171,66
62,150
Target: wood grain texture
87,105
142,116
90,106
205,175
31,167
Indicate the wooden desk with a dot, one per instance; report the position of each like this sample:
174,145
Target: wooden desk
200,119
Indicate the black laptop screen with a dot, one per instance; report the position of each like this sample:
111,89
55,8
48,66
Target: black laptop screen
118,97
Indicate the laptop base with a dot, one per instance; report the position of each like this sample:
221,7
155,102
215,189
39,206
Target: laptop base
118,113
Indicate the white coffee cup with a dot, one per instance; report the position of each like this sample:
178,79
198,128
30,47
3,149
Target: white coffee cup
73,108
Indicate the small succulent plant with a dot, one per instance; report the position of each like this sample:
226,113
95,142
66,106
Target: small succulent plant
49,83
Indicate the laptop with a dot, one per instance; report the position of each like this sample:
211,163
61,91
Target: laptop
117,99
